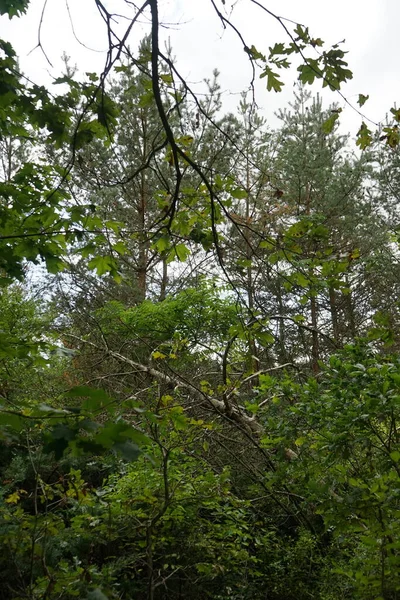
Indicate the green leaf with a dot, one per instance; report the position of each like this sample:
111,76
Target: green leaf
362,99
106,110
395,456
299,319
392,136
62,431
146,100
5,281
265,338
309,72
95,399
302,280
122,69
162,243
396,113
114,433
120,247
13,421
167,78
239,193
316,42
102,264
128,450
273,81
179,420
13,8
328,125
86,251
83,137
364,137
254,53
182,252
278,49
302,33
58,440
335,72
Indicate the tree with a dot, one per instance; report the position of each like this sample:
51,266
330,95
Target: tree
201,436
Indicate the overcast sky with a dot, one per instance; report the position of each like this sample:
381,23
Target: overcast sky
370,28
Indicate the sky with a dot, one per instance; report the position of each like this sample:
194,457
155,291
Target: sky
200,44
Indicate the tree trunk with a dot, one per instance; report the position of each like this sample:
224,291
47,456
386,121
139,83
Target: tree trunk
143,242
164,279
315,340
334,314
252,348
282,333
350,311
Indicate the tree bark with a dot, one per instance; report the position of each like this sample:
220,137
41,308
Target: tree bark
143,243
350,311
164,279
334,314
315,340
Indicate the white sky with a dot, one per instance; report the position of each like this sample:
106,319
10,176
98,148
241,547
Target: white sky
370,28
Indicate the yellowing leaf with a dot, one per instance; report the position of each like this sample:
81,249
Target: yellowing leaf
300,441
364,137
166,78
328,125
15,497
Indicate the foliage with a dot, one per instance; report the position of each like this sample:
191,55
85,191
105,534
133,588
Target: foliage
203,402
344,430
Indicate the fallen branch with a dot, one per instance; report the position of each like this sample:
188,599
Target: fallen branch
249,423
